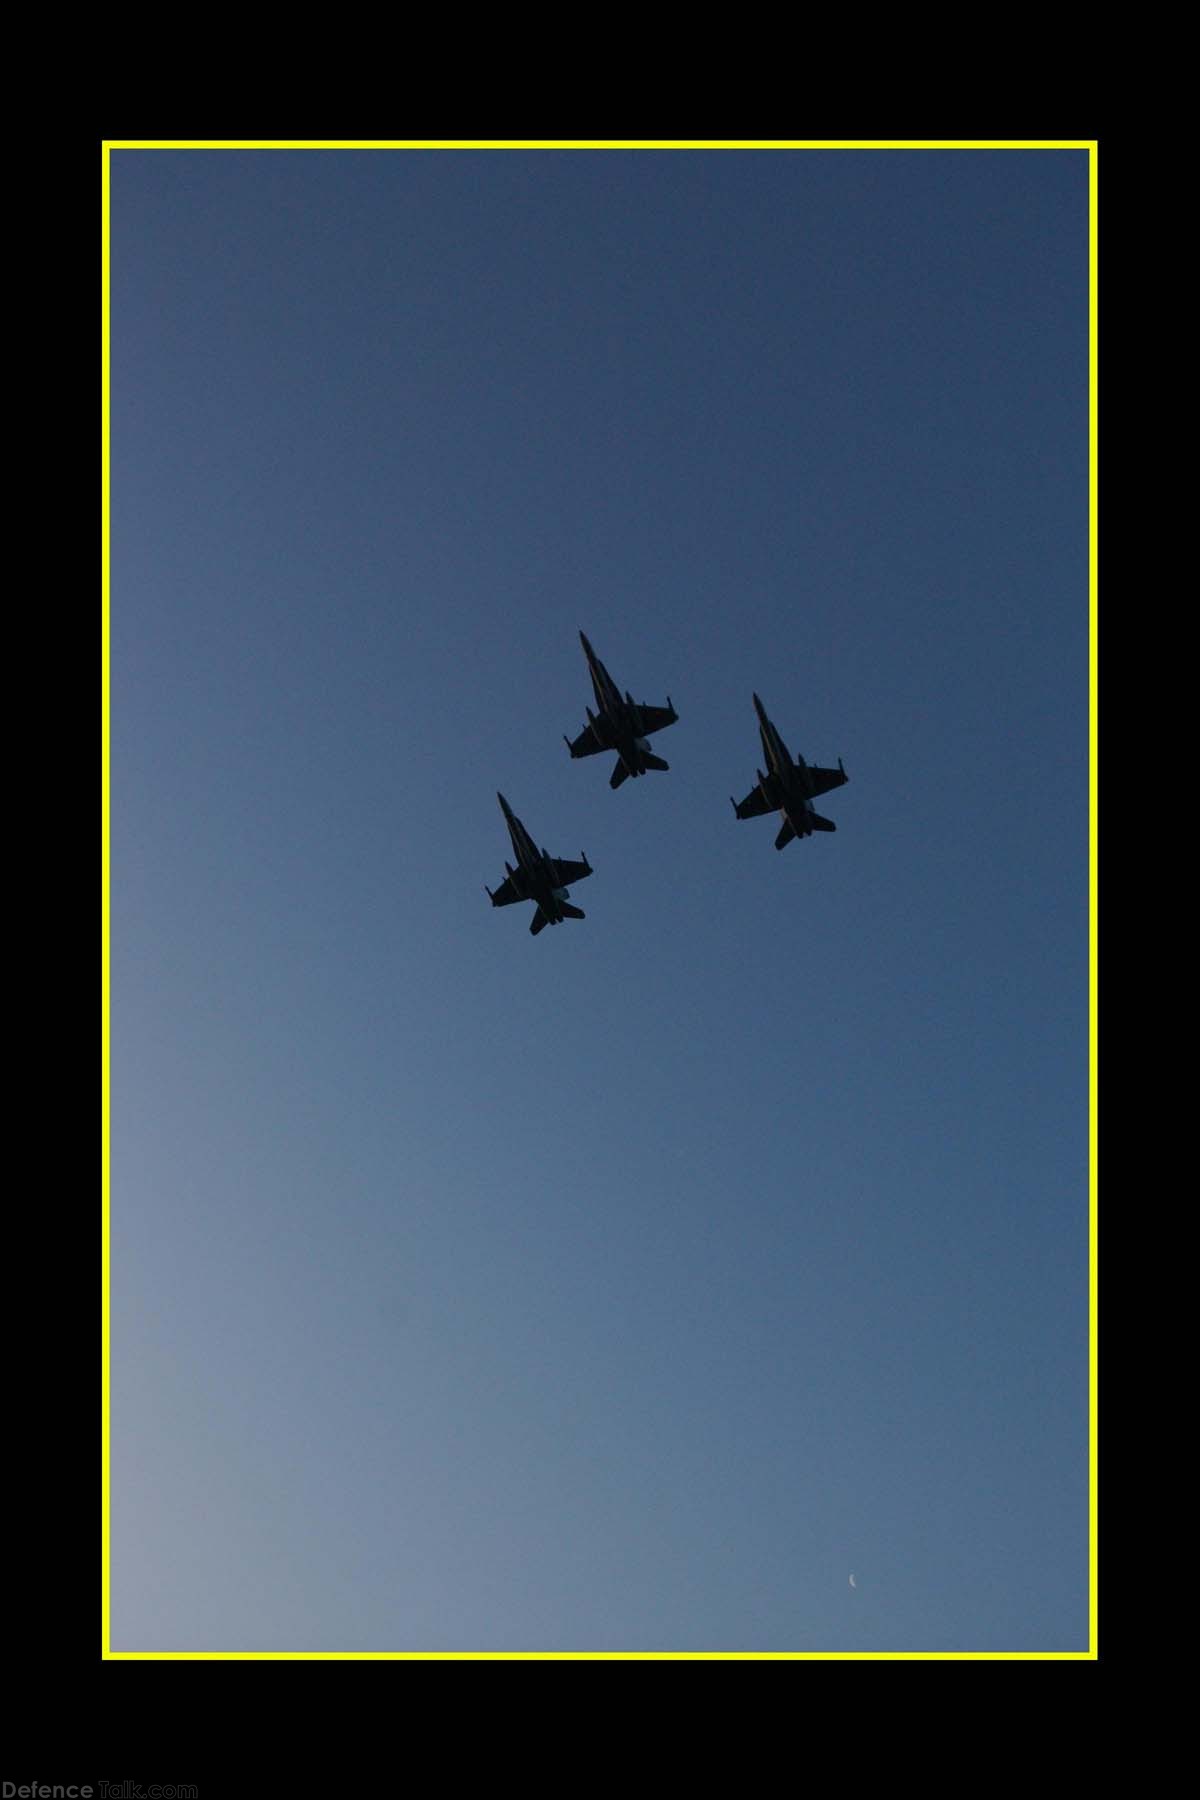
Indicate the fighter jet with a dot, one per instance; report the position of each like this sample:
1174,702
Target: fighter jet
538,876
620,725
788,787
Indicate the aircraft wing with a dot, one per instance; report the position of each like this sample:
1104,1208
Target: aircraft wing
754,805
824,779
586,744
505,894
655,717
567,872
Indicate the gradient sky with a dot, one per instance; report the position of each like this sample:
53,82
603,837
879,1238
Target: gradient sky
631,1287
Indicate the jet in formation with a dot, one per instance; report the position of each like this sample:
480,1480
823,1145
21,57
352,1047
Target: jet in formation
538,876
620,724
788,787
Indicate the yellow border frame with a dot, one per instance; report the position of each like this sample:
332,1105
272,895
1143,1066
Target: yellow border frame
1089,145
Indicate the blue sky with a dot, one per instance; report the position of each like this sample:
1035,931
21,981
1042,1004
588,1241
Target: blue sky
631,1287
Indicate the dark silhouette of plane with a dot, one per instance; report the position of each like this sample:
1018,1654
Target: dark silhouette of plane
620,725
538,876
788,787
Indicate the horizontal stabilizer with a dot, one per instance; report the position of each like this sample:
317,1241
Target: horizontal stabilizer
571,912
654,762
539,920
619,774
820,824
785,836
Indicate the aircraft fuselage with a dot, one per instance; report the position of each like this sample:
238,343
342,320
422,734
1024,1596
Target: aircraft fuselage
786,788
617,722
534,877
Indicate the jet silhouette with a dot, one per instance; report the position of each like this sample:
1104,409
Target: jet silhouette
538,876
788,787
620,725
